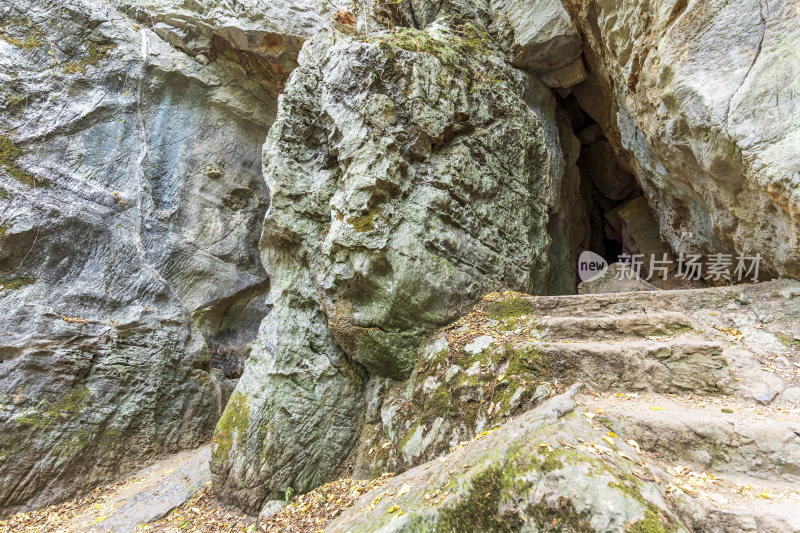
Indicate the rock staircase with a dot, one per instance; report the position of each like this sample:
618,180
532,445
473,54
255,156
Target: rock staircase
703,382
729,465
696,341
686,375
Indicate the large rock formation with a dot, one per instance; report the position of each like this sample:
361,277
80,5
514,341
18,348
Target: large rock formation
699,99
382,225
131,201
408,177
416,160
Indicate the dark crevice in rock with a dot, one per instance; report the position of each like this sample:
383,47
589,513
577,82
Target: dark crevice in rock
677,10
621,219
229,326
606,183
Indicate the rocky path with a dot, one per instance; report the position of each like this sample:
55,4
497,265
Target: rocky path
663,411
730,465
688,416
126,506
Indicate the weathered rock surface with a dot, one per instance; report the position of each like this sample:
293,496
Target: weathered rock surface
542,471
699,99
512,352
408,176
671,413
147,495
131,199
418,160
125,506
545,39
268,35
636,450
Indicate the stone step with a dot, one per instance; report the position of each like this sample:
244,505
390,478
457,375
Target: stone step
675,366
686,300
723,437
724,472
738,504
638,326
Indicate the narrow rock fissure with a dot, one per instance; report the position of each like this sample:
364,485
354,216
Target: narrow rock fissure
620,223
606,186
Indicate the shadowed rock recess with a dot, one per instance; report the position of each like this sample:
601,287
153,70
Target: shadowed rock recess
306,231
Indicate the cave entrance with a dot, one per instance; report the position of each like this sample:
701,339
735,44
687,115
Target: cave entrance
615,206
229,326
618,216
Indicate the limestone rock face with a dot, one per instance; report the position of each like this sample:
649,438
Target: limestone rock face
131,199
531,474
270,34
700,99
417,159
545,39
408,176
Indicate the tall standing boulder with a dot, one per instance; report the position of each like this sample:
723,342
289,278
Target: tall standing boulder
408,176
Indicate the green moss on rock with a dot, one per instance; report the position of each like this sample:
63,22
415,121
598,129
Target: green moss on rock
509,325
388,353
480,510
234,423
787,340
9,154
459,399
69,406
551,463
651,523
15,100
364,223
511,308
559,517
464,53
447,47
20,32
16,283
95,53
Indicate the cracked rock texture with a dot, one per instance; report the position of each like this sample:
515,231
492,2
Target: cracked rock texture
408,177
419,155
544,39
532,474
131,199
700,99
